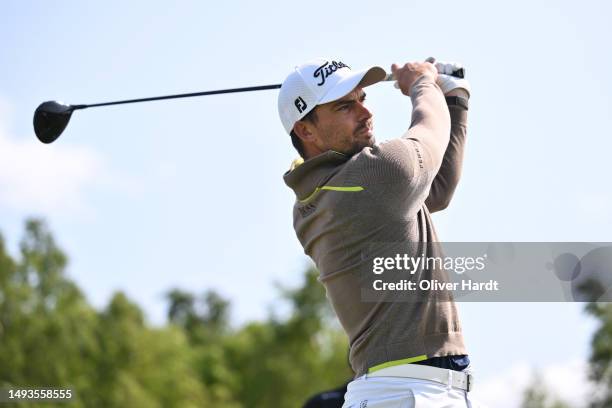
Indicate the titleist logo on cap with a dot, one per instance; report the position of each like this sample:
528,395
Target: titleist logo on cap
327,69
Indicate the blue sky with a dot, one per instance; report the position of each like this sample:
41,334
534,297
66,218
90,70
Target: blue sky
189,192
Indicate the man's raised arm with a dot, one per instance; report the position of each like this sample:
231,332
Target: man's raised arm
445,182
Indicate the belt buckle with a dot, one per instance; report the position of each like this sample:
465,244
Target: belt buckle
470,382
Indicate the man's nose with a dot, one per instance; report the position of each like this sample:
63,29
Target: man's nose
364,112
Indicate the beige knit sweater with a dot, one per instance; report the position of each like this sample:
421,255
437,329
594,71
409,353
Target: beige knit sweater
349,210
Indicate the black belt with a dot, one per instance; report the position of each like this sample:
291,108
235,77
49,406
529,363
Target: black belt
456,363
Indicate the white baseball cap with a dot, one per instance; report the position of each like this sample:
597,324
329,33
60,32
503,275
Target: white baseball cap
317,82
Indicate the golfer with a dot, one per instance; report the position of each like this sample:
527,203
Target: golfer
352,194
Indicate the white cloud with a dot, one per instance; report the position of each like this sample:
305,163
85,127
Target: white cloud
566,381
35,177
38,178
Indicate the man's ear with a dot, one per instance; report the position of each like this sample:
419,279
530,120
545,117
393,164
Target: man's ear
304,130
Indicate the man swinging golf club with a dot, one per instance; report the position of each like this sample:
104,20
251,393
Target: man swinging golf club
353,195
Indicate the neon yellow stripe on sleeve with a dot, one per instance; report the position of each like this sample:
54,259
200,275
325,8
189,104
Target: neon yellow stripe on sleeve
332,188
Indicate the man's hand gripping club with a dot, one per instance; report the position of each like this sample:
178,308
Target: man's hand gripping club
442,74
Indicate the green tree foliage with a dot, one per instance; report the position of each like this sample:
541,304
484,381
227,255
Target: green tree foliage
46,325
601,354
600,360
203,319
51,337
300,355
275,363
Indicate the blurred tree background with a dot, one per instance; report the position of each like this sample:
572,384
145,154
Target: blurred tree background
601,354
51,337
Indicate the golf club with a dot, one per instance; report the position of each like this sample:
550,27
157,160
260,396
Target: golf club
52,117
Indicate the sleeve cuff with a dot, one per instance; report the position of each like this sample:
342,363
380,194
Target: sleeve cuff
457,101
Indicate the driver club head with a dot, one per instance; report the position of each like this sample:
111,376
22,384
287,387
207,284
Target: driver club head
50,120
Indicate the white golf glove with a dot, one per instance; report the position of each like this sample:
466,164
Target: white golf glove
447,82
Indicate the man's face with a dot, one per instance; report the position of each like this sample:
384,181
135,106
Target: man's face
344,125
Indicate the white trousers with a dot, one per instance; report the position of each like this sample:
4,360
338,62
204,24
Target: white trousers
401,392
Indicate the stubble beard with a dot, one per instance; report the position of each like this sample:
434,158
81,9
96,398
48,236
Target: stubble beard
360,144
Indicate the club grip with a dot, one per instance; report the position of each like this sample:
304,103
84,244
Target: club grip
460,73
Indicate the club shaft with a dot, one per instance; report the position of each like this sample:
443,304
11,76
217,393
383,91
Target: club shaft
185,95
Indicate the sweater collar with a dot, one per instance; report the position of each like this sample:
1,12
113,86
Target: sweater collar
313,173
